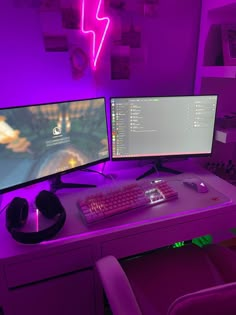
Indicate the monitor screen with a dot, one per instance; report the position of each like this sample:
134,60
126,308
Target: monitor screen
162,126
39,141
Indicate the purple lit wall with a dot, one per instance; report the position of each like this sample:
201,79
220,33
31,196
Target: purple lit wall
28,73
165,64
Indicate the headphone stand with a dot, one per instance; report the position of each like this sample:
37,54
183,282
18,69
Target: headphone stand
56,183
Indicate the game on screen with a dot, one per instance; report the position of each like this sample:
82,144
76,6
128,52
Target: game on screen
41,140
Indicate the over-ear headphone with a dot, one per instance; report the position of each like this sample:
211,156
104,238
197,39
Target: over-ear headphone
17,212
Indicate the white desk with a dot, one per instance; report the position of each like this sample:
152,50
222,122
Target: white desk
57,277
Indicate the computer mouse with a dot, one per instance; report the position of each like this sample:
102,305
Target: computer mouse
196,183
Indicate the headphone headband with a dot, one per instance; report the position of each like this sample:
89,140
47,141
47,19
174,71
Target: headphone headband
40,236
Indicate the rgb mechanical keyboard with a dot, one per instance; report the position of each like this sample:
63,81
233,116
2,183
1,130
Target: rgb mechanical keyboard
114,199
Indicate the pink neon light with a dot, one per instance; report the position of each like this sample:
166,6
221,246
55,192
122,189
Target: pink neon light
94,53
37,220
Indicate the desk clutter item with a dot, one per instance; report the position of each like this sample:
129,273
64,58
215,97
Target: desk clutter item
118,198
226,171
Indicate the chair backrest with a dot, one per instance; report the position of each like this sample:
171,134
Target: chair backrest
217,300
117,287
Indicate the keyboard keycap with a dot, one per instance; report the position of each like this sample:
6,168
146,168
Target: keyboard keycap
111,200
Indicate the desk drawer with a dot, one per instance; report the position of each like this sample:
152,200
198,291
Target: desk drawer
44,267
138,243
153,239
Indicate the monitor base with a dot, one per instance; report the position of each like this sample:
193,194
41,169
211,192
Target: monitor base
158,166
56,183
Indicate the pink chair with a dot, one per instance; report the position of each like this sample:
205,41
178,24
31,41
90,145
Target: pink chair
182,281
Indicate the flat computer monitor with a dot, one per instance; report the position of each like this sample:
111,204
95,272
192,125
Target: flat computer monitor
144,127
46,140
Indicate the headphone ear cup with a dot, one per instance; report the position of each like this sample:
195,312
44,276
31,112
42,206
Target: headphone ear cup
49,204
16,213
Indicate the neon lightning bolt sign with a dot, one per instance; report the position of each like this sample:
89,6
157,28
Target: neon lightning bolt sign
97,28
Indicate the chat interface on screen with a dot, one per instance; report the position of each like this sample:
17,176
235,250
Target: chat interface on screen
162,126
41,140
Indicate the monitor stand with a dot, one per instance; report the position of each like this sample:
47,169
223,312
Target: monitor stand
158,166
56,183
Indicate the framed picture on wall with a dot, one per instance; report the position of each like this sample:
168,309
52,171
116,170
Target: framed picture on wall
228,33
120,62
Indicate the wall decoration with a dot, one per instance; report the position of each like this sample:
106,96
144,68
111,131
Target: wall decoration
54,35
120,63
118,5
135,7
59,18
26,3
131,36
127,56
49,5
229,44
94,23
55,43
129,17
125,6
79,62
151,8
71,18
151,62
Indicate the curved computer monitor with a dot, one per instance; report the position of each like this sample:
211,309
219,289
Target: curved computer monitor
41,141
146,127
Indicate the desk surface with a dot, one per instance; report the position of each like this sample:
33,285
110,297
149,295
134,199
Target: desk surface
221,199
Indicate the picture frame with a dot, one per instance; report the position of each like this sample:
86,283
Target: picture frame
228,32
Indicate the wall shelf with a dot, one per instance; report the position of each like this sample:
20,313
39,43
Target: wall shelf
219,4
210,61
225,135
219,71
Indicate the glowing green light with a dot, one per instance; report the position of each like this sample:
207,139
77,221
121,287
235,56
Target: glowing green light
202,241
199,241
178,244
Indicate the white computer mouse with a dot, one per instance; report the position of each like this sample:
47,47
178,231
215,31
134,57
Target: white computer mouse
196,183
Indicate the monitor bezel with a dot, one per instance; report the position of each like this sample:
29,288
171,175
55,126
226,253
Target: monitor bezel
60,173
165,156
